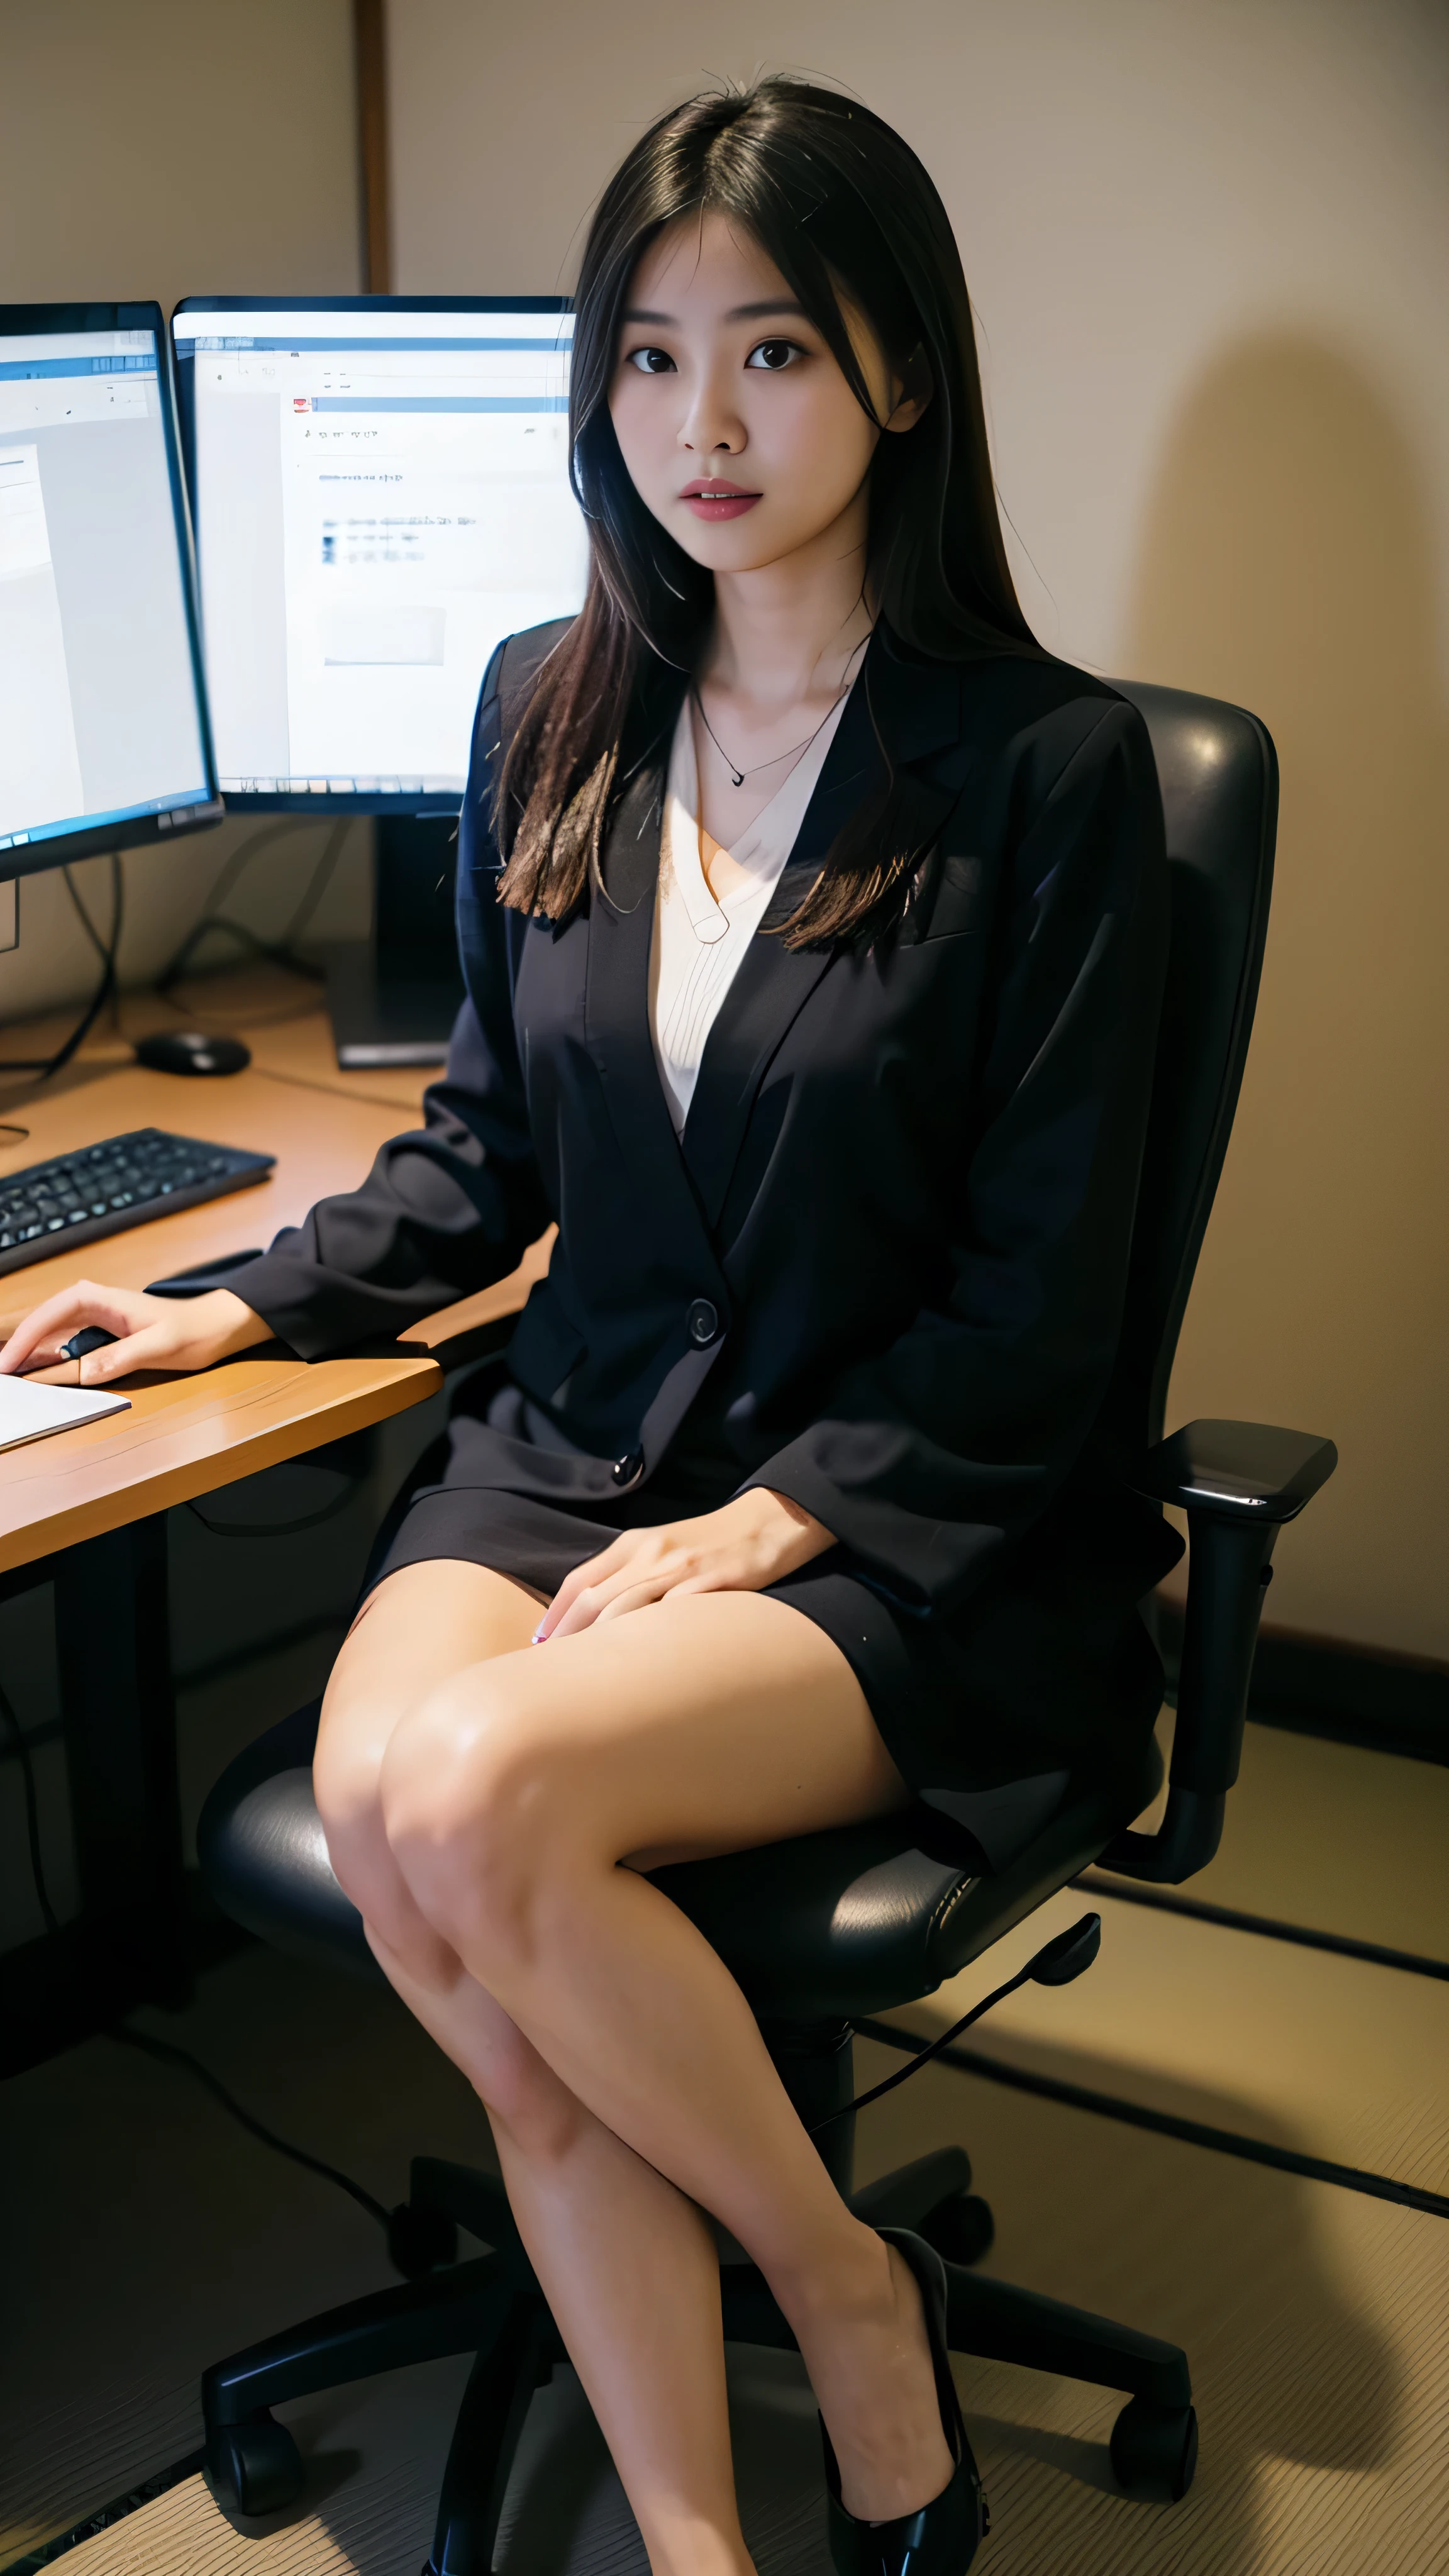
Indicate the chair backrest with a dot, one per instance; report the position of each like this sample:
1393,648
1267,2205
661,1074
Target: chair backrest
1219,777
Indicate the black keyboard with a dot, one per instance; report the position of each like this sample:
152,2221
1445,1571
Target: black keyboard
100,1189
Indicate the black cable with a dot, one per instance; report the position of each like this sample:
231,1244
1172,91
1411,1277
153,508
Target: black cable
82,913
45,1066
923,2056
1169,2124
16,1732
278,952
240,858
79,907
252,942
1062,1960
169,2055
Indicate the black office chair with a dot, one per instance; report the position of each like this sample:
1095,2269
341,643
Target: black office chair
837,1926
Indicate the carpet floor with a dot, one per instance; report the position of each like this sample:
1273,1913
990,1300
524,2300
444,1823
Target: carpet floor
149,2234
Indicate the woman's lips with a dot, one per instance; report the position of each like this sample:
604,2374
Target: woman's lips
711,499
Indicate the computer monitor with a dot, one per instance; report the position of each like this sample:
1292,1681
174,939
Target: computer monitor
103,730
381,493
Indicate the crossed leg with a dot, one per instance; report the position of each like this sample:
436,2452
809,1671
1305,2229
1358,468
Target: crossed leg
479,1797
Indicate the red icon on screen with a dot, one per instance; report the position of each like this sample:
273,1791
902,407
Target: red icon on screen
301,402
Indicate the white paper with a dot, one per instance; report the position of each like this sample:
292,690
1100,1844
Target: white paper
30,1412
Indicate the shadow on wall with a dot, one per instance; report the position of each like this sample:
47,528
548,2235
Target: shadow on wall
1287,564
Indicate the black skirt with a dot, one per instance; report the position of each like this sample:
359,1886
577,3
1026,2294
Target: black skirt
1027,1679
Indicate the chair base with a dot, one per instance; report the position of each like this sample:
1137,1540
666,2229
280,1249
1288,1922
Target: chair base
493,2308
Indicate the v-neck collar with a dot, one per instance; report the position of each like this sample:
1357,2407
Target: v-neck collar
902,708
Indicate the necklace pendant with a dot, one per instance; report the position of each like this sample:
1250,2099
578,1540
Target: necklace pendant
737,778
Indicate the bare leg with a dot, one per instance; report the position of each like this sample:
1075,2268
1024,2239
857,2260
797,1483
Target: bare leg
627,2263
509,1797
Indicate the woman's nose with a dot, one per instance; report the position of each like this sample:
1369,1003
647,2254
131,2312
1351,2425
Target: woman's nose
708,425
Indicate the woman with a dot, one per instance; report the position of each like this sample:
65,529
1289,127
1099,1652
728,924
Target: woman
813,923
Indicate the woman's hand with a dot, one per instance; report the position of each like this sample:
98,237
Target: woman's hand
151,1333
743,1547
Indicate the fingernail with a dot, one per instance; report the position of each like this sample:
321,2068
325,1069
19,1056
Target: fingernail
538,1638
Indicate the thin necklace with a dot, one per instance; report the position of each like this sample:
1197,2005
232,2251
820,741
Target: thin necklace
738,775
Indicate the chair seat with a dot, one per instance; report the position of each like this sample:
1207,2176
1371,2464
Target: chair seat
826,1926
818,1928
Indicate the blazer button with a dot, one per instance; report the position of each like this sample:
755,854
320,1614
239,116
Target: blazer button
625,1469
703,1323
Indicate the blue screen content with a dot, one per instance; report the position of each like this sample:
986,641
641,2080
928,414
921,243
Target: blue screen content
380,497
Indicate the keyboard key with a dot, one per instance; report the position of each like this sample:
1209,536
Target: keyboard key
125,1180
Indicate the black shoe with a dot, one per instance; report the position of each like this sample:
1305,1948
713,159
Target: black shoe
940,2538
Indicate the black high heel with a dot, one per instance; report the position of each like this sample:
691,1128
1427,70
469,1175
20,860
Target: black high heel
940,2538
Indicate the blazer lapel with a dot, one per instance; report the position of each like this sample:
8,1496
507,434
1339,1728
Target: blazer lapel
616,1000
913,709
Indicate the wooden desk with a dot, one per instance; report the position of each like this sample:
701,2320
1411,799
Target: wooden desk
85,1509
186,1436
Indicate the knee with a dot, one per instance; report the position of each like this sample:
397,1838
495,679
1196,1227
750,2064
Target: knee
346,1775
478,1820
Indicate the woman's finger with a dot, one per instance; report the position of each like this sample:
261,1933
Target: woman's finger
648,1596
634,1587
151,1348
119,1359
45,1327
610,1561
579,1613
593,1599
633,1596
52,1323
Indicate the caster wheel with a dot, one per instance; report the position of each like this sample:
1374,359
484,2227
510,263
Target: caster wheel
1154,2450
256,2467
420,2240
962,2228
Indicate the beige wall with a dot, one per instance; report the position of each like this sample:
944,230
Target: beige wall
161,148
1208,246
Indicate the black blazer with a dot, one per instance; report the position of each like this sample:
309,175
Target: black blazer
883,1272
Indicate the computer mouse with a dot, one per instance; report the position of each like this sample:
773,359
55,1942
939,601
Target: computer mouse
187,1051
92,1337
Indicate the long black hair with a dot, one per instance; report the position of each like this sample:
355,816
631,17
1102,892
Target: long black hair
842,206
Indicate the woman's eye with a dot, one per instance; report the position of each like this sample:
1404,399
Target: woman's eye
774,354
651,362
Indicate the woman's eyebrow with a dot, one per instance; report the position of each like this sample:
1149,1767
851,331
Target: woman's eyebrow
738,313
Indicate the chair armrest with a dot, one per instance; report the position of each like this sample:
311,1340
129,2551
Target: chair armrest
1248,1470
1238,1482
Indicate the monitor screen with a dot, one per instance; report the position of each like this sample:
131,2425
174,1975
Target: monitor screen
103,736
381,494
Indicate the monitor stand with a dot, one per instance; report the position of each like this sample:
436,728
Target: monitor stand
393,998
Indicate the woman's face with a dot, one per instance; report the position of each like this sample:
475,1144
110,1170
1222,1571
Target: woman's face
734,421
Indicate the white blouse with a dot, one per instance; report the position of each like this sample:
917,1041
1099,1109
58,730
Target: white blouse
699,942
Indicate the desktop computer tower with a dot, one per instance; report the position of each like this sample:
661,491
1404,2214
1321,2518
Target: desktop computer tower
393,999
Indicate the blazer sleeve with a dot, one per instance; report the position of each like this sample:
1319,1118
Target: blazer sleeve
928,1460
452,1206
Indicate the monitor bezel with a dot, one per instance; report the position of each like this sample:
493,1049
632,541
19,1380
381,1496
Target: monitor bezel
323,806
140,831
